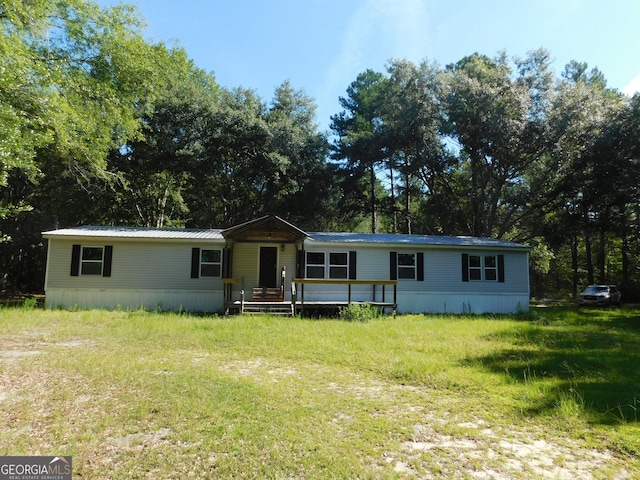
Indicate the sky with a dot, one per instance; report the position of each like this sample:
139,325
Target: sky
320,46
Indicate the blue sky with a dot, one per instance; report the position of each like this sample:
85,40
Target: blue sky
320,46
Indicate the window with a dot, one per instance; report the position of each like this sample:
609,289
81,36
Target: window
210,263
338,265
407,266
475,267
91,260
315,265
489,268
91,263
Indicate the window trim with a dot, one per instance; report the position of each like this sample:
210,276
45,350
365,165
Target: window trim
88,261
204,264
418,265
496,270
78,261
315,265
342,266
196,262
490,268
348,267
413,267
476,270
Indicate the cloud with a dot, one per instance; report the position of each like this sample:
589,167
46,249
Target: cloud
632,87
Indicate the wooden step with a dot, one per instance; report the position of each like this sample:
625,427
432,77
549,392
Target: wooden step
275,308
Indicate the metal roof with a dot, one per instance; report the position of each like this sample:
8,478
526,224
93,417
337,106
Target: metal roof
137,232
319,237
404,239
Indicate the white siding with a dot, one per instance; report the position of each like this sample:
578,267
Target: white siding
456,302
359,293
443,289
246,264
443,273
289,259
340,293
143,272
156,273
373,263
134,299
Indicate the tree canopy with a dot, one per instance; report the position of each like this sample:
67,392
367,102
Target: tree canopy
99,125
499,147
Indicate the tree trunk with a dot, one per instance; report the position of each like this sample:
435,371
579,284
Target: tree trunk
374,220
589,257
574,264
407,203
394,210
602,257
625,260
475,204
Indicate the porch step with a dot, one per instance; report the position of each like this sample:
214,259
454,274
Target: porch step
267,294
278,308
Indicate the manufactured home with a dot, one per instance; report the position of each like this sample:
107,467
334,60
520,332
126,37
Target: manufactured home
268,263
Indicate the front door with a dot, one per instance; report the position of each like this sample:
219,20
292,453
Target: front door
268,276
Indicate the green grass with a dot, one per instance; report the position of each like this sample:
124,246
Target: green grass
552,392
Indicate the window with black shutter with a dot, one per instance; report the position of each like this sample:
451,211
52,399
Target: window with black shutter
206,262
91,260
487,268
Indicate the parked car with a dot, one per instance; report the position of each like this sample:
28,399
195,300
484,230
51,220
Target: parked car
600,295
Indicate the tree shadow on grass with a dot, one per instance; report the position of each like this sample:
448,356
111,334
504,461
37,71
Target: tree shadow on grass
592,357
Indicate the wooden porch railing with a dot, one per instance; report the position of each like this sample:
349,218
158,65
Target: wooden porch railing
324,281
228,284
297,297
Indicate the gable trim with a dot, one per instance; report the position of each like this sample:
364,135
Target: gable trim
266,228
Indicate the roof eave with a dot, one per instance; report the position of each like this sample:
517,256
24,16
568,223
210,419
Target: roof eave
84,235
264,224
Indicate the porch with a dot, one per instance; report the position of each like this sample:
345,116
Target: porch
298,304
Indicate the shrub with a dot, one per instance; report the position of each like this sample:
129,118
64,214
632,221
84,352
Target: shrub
356,312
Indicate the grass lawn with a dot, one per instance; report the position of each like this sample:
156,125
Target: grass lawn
549,394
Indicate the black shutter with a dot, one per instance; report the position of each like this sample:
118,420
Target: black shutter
226,263
393,265
223,271
195,263
300,265
75,260
420,267
108,257
465,267
352,265
501,268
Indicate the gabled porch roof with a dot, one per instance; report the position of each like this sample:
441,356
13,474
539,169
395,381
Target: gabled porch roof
266,228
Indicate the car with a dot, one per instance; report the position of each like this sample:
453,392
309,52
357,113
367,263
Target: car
600,295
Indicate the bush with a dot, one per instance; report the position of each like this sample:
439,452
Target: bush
359,312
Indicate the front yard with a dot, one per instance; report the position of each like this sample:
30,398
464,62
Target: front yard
550,394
